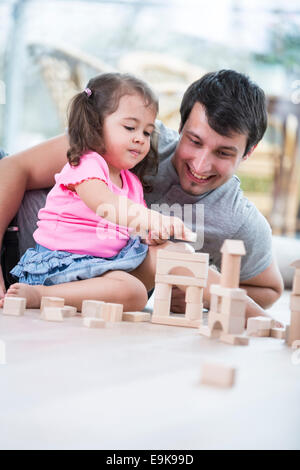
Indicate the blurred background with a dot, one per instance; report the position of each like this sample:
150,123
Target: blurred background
50,48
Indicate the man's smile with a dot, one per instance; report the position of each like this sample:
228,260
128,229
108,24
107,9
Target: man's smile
196,176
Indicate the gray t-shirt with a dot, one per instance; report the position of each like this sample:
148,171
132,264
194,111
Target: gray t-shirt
217,215
225,212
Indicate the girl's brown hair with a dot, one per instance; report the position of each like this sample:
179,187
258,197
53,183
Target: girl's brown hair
87,112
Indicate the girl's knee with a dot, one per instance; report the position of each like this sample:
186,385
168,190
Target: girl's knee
136,294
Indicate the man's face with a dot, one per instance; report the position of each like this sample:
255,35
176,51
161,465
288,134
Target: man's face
204,160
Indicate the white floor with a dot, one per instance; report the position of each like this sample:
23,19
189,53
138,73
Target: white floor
136,386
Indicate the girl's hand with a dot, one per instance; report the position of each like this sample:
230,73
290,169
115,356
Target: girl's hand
166,227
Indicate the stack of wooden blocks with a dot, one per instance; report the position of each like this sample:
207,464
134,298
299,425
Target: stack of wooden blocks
226,317
196,265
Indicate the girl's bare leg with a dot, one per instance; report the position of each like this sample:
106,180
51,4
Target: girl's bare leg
114,286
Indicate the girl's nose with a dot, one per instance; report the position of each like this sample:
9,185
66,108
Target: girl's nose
138,138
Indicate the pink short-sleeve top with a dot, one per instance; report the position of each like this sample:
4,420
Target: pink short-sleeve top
67,224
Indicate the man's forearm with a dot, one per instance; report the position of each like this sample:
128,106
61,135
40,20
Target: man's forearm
263,296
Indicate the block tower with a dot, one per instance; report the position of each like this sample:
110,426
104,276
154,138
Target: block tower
294,328
196,267
226,318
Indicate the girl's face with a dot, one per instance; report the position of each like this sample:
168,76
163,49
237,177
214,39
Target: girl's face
127,132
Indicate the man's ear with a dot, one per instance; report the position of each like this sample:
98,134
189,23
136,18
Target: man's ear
250,151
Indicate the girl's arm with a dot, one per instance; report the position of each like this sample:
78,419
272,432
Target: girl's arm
122,211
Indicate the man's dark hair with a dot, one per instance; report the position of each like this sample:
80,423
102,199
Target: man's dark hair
232,103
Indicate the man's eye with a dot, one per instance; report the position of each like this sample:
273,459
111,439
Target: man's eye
224,154
196,142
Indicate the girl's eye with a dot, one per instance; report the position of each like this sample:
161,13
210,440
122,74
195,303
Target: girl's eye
147,134
129,128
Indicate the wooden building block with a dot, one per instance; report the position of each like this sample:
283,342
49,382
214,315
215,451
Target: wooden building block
161,308
233,307
52,314
162,291
193,311
295,303
199,270
296,284
194,295
174,320
278,333
14,306
136,316
256,324
180,280
57,302
193,257
91,322
231,250
92,308
263,333
69,311
296,280
234,293
294,328
234,340
112,312
218,375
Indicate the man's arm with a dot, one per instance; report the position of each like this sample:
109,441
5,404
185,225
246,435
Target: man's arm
266,287
263,290
31,169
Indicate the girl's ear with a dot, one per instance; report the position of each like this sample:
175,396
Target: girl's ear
250,151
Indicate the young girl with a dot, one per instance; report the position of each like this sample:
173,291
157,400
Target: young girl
86,245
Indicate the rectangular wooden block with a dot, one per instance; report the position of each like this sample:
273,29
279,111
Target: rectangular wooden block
14,306
69,311
136,316
218,375
194,294
112,312
92,308
233,307
173,320
180,280
91,322
52,302
52,314
234,340
255,324
199,270
161,308
194,257
278,333
263,333
296,284
193,311
235,293
295,303
162,291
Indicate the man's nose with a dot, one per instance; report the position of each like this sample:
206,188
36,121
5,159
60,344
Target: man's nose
202,163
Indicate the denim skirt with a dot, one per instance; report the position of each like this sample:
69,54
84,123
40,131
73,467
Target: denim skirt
41,266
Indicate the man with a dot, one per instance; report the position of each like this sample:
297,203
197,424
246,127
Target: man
223,117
